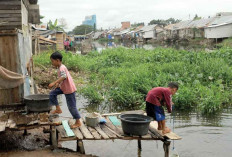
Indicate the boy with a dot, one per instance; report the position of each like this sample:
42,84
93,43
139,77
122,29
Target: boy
158,97
64,85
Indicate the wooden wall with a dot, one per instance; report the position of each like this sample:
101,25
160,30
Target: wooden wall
13,13
9,59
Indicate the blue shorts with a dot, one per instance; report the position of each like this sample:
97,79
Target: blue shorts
156,112
159,113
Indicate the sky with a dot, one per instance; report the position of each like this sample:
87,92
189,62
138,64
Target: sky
110,13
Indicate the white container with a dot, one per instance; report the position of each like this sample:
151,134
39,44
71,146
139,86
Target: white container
92,119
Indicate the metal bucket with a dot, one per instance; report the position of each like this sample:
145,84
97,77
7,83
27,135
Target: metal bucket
135,124
37,103
92,119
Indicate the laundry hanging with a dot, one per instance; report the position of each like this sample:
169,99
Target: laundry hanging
9,79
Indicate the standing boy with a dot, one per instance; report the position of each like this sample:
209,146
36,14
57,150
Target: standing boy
158,97
63,85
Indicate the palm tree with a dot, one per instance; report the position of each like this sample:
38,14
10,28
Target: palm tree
55,26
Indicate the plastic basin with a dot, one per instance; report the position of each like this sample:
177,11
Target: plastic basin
37,103
135,124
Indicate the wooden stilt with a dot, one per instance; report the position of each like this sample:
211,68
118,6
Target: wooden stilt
166,146
139,145
25,132
54,137
80,147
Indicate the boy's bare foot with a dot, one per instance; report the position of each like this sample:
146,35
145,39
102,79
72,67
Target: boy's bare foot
76,125
56,112
166,130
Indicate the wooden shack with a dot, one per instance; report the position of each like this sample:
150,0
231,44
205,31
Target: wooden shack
16,47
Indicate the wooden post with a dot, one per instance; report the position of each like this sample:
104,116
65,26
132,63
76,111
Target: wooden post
166,146
80,147
25,132
139,145
54,139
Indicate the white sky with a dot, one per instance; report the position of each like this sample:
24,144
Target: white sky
110,13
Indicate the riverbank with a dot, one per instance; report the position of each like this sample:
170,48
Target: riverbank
35,143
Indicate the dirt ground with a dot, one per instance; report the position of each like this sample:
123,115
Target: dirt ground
42,153
33,144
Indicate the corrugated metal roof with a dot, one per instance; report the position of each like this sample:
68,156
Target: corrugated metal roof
200,23
221,20
46,33
182,25
147,28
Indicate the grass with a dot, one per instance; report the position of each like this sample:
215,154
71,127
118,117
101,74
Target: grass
124,76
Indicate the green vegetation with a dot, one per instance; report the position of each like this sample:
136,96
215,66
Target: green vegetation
164,22
226,43
124,76
82,29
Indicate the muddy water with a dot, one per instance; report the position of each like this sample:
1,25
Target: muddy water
202,136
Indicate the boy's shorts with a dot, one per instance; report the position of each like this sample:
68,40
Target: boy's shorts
156,112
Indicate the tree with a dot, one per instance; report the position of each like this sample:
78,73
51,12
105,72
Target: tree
41,17
137,24
55,26
196,17
164,22
83,29
63,23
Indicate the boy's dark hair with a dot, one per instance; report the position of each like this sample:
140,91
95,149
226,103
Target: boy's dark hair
56,55
173,85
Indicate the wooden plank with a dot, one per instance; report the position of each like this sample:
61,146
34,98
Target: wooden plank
94,133
152,135
107,131
153,129
43,118
109,124
33,119
10,7
13,19
2,126
61,130
7,23
10,3
21,119
67,128
147,136
170,135
111,114
10,11
85,131
134,112
76,131
102,133
4,117
10,15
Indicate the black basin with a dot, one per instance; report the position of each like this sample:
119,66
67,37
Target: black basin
37,103
135,124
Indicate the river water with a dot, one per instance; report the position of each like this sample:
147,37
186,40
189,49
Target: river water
201,136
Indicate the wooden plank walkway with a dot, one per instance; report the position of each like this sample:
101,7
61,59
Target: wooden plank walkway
109,131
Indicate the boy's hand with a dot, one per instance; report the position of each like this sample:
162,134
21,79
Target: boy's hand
57,85
51,85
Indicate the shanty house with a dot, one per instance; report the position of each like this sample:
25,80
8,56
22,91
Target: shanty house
15,46
150,31
221,27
